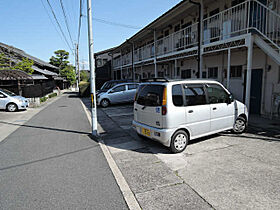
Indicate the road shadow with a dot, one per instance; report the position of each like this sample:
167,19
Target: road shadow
45,128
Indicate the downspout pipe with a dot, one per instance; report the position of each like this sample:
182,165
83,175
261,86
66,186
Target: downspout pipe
199,38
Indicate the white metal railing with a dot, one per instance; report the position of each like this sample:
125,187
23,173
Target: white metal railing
228,23
265,21
249,16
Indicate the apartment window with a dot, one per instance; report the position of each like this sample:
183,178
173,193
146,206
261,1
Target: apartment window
236,71
160,74
178,71
177,28
186,74
204,74
213,72
166,33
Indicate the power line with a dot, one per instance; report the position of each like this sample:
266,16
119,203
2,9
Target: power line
53,22
66,22
80,20
116,24
59,26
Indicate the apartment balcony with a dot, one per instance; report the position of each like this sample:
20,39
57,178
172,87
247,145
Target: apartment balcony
249,16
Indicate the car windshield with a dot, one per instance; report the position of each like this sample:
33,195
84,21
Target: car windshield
9,93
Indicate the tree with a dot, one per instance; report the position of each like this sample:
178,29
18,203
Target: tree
4,61
60,59
84,76
25,65
69,73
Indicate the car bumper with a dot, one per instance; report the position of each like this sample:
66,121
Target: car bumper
161,135
23,105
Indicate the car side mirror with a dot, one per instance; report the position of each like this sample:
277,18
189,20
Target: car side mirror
230,99
2,96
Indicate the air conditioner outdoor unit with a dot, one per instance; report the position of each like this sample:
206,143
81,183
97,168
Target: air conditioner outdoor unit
227,29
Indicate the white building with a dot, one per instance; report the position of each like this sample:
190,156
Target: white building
240,45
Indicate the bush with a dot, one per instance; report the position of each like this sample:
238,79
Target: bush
43,99
84,88
52,95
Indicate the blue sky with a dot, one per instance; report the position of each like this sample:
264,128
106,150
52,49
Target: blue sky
25,24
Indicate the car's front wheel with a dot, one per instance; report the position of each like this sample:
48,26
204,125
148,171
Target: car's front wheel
239,125
105,103
179,141
11,107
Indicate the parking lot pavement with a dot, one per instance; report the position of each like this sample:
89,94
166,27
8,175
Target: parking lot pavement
223,171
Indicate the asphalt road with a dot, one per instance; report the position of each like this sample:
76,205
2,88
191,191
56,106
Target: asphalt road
50,162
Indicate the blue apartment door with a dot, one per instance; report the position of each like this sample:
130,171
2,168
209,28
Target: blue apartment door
256,91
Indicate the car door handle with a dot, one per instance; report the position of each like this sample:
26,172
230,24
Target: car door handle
215,108
190,111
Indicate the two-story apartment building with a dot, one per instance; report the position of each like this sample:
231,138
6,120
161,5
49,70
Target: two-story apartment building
240,45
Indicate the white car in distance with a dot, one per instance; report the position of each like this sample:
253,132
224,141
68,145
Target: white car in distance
11,102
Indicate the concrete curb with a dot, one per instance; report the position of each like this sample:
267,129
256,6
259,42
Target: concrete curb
124,187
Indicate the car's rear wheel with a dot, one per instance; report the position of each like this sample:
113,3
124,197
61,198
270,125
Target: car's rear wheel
105,103
179,141
11,107
239,125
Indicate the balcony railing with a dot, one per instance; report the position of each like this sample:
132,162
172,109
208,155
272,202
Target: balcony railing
243,18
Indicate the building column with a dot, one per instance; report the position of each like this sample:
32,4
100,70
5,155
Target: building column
228,68
175,69
155,54
141,71
132,62
249,72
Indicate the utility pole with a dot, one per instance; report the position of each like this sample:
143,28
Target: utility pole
92,72
78,64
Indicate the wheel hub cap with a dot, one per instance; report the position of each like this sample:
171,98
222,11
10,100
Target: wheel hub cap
180,142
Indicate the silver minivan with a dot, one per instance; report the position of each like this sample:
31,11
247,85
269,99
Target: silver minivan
174,112
121,93
11,102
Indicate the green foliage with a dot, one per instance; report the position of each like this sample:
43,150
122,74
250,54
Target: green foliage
43,99
60,59
4,61
25,65
69,73
52,95
84,76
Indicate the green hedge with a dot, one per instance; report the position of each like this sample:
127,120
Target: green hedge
52,95
43,99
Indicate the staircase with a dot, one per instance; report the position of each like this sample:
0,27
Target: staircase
264,24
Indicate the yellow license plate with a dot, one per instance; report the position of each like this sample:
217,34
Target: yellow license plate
146,132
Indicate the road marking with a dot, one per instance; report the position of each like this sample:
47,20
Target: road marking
124,187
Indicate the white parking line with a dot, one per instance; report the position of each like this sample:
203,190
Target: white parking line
124,187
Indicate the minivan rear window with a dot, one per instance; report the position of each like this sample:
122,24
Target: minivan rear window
150,95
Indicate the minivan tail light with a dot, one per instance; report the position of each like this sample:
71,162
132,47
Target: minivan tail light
164,97
163,110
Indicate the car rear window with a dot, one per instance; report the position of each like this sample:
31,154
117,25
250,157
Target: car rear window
150,95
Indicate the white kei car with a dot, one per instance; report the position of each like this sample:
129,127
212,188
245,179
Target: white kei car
174,112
